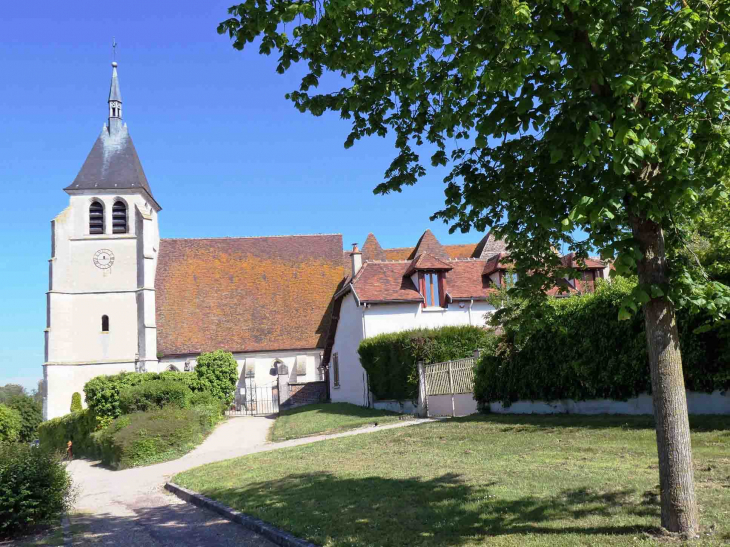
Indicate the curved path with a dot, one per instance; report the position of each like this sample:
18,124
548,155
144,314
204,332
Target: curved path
131,508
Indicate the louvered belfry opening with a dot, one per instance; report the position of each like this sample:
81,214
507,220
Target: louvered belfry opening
96,218
119,218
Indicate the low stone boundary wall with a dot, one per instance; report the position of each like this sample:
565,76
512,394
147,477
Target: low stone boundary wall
402,407
306,393
717,402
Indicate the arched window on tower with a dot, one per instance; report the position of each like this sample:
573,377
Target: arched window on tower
119,218
96,218
104,323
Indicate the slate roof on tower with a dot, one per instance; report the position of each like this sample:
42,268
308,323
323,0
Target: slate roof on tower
246,294
113,163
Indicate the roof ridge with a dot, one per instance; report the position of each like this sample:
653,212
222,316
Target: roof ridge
243,237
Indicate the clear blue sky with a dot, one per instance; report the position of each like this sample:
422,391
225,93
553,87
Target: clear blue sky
225,153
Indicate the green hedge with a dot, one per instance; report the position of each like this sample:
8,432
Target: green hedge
103,392
11,422
391,360
31,415
218,374
154,395
76,427
34,488
145,438
583,352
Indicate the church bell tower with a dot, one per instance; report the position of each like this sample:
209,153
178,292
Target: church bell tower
104,246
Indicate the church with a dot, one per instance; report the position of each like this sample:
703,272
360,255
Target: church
120,298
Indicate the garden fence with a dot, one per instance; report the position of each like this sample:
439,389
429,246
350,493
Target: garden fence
447,378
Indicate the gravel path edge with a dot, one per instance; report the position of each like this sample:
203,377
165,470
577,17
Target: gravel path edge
269,531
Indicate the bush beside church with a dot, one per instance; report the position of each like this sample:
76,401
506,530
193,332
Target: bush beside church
142,418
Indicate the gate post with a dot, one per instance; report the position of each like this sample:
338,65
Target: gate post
451,388
422,392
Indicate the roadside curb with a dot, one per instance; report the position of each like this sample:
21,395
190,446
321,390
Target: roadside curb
269,531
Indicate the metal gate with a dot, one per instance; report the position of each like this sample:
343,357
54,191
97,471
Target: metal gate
253,400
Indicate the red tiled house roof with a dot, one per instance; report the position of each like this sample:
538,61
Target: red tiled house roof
246,294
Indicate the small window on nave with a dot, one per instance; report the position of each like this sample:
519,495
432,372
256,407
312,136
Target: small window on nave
104,323
96,218
119,218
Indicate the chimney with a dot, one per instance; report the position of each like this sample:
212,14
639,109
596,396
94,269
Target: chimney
356,257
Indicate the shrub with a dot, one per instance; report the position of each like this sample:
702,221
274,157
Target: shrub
218,374
581,351
31,415
154,395
11,423
145,438
391,360
102,392
34,488
76,402
76,427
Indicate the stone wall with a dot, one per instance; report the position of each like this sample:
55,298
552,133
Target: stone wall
305,394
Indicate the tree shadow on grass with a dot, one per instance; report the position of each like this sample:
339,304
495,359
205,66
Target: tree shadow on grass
515,422
442,511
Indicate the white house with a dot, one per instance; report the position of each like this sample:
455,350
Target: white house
426,286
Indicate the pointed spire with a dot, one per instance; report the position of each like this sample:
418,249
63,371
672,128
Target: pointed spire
115,103
114,93
372,250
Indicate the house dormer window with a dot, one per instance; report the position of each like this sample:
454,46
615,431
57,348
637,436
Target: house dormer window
432,289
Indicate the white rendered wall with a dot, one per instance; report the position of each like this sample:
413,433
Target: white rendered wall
347,338
357,323
717,402
80,293
262,363
63,380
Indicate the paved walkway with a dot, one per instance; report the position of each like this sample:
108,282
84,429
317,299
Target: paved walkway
131,508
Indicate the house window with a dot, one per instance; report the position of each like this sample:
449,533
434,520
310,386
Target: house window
119,218
431,294
96,218
336,370
104,323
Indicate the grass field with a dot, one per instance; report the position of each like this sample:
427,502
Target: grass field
496,480
326,418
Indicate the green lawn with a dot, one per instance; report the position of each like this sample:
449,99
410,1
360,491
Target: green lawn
496,480
327,418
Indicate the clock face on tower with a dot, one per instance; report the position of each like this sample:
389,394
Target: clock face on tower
103,259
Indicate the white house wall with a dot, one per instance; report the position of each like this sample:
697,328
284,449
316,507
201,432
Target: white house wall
357,323
347,339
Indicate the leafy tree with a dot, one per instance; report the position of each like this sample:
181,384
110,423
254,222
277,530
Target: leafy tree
10,424
559,117
76,402
31,415
218,374
10,391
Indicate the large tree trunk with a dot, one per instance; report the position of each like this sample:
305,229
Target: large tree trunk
676,475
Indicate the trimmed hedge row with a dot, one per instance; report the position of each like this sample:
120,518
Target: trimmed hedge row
583,352
144,438
154,395
103,392
391,360
76,427
34,488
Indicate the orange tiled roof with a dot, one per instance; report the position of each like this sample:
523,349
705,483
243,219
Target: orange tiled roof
570,261
500,261
398,253
385,281
427,261
465,280
246,294
428,244
461,251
